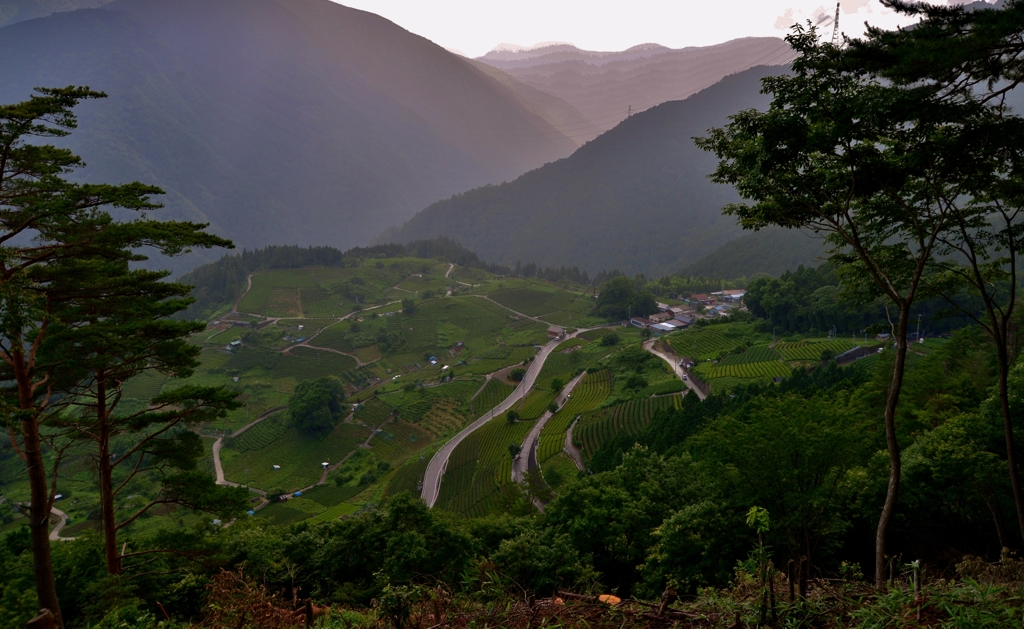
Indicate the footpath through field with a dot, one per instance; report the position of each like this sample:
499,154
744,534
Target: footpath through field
439,462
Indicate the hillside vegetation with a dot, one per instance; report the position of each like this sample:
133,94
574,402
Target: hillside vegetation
636,199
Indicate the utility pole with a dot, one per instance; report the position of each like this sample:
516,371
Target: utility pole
629,112
835,28
919,340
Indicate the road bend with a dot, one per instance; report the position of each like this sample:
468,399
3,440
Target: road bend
674,363
439,462
527,461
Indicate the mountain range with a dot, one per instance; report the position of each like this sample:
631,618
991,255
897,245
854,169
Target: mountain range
279,121
307,122
637,198
605,86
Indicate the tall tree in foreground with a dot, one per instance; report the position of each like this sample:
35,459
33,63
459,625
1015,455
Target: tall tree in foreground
46,221
876,168
972,56
119,328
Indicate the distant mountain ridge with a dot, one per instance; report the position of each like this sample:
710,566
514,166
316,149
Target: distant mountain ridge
605,86
280,121
12,11
637,198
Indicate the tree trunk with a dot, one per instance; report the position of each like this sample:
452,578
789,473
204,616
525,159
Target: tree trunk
39,520
892,445
106,481
1011,450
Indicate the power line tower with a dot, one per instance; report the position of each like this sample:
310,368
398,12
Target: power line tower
835,28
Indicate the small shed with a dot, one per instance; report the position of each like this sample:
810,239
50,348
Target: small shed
555,332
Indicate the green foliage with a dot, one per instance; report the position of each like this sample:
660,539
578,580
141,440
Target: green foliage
316,407
621,297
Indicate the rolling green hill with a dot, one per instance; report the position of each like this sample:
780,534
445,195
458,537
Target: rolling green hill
636,198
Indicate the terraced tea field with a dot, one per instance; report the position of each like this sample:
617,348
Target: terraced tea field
298,455
715,341
590,393
479,466
490,396
275,293
770,369
811,350
597,427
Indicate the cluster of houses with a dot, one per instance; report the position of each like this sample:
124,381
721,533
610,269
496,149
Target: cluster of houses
670,319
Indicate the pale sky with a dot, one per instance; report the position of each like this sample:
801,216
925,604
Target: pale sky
474,27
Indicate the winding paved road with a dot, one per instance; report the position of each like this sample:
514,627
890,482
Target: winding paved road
523,464
674,363
570,448
439,462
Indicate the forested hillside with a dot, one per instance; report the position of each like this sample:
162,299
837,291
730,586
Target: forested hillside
773,251
637,198
299,122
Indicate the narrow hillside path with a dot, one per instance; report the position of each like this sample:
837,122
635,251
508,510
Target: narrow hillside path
439,462
308,342
521,464
538,320
365,444
674,363
63,521
219,443
570,447
248,279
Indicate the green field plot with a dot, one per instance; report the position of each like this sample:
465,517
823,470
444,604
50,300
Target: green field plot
298,455
593,390
771,369
280,514
811,350
536,403
396,441
337,512
145,386
374,413
722,385
276,292
422,283
663,388
756,354
336,337
479,466
528,301
497,359
597,427
310,326
408,477
558,470
438,410
556,306
330,495
306,363
262,434
490,396
246,358
715,341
